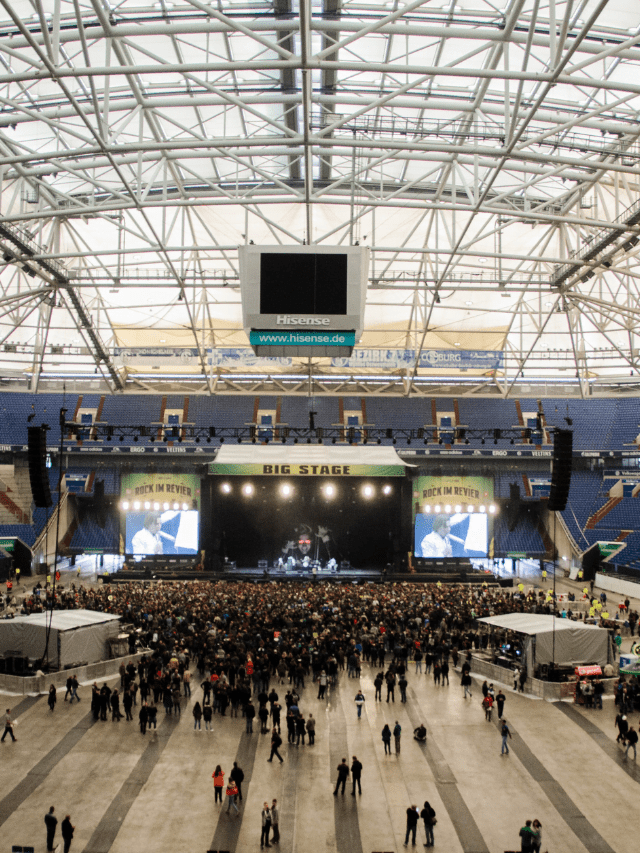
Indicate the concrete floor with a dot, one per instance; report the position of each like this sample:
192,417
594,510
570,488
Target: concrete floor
127,793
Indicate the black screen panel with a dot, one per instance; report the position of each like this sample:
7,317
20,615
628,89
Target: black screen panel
303,284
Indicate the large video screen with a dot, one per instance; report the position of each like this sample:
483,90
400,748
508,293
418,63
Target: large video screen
306,284
460,534
153,533
161,513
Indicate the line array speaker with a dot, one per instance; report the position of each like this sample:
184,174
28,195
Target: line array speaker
38,477
561,469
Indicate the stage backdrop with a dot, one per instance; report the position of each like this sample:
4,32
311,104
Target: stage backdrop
266,525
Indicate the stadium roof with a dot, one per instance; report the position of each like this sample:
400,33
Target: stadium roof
487,152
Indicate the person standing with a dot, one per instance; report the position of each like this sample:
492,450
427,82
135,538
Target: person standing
343,775
537,835
506,733
378,685
412,825
276,742
143,717
275,821
51,822
500,700
322,684
402,684
632,740
197,717
386,738
186,681
311,729
428,815
8,728
237,774
218,783
526,838
356,775
466,683
67,832
266,825
359,700
249,712
397,734
52,698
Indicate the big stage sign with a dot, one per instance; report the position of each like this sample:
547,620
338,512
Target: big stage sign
302,470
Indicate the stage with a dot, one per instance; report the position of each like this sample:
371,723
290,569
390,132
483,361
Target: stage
346,575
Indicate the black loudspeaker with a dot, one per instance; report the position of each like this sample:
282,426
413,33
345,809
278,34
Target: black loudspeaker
38,476
591,563
513,506
561,470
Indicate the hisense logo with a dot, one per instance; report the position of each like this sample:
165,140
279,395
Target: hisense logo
286,320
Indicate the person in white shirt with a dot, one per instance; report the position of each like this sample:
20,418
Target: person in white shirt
147,541
437,543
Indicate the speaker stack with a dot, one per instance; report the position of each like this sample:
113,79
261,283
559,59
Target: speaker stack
561,469
38,477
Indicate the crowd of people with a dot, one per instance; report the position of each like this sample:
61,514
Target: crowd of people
255,647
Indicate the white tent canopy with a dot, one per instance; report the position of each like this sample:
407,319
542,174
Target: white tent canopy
307,454
553,639
77,636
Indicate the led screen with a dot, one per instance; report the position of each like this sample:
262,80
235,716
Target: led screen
153,533
307,284
462,534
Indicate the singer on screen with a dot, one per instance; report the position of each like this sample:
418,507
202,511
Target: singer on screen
437,543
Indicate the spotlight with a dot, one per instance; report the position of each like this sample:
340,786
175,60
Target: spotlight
394,441
136,505
226,488
427,509
483,509
239,439
197,439
147,504
469,508
367,491
156,506
285,490
436,508
458,508
185,507
329,490
152,439
379,441
125,505
165,505
492,509
386,490
247,490
447,508
284,440
135,437
121,438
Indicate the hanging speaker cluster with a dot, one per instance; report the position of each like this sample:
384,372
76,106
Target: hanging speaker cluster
561,470
38,477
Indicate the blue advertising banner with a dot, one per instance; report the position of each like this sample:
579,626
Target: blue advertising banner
393,359
301,338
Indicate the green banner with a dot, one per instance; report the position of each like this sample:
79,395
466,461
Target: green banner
7,544
180,488
453,491
610,549
301,338
301,470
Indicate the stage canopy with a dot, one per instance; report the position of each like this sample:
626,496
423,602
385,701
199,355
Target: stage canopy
308,460
575,643
77,636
